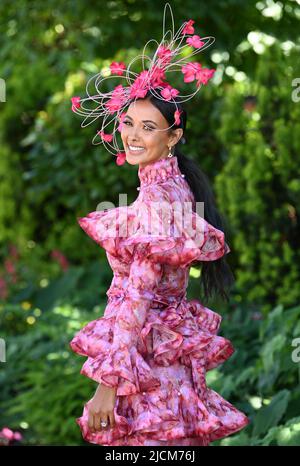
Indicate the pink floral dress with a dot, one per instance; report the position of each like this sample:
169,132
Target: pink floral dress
152,343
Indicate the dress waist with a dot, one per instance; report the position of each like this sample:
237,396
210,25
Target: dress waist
158,302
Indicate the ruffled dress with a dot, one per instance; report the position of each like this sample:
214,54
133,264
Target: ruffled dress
152,343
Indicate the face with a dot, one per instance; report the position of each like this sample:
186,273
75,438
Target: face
140,128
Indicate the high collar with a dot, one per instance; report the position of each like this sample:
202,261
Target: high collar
159,171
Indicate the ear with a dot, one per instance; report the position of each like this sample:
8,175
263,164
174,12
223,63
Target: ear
176,135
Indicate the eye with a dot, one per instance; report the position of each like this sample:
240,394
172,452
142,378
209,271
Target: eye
128,122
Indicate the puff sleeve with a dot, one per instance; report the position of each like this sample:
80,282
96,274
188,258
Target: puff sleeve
111,343
170,231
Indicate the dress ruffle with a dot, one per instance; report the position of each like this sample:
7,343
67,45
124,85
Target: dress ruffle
183,337
156,355
166,235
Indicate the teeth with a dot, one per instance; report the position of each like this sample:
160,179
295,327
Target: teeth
136,148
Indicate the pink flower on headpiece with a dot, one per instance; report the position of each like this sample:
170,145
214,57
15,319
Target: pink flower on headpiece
140,86
204,75
195,41
113,105
157,77
75,103
169,92
105,137
165,54
122,116
190,71
177,117
119,92
194,70
117,99
121,158
117,68
188,28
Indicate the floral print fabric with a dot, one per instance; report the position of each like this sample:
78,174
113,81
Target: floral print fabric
153,344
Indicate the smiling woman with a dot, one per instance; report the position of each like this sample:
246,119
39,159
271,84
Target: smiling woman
152,348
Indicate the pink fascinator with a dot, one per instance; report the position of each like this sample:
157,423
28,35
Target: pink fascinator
172,55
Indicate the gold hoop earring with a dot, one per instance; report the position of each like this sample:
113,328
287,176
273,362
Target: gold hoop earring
170,153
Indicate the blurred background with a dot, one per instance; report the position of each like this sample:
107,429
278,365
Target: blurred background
243,130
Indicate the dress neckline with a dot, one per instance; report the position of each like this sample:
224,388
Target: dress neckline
159,171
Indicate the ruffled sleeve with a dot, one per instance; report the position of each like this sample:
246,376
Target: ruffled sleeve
159,226
109,228
116,362
171,232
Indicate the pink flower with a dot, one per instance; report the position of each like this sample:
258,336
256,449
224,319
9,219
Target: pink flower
204,76
117,68
194,70
140,86
190,71
117,99
121,118
177,117
9,436
195,41
114,105
105,137
119,92
165,54
75,103
121,158
9,266
188,28
169,92
7,433
18,436
157,77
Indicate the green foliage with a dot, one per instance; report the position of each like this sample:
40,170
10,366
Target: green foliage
262,377
42,390
259,183
243,130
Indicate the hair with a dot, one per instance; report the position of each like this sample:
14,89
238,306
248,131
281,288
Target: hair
216,275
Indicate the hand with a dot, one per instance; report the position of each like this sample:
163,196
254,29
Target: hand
101,408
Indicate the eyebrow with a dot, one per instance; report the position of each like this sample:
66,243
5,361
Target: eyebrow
144,121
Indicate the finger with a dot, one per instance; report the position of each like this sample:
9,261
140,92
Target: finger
91,422
111,419
98,422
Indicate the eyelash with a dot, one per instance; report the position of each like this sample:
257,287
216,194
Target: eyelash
148,128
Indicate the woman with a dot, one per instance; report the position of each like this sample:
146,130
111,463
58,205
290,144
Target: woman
150,351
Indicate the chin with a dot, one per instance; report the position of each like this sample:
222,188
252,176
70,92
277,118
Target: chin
132,160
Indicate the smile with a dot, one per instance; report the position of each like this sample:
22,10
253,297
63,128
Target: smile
136,149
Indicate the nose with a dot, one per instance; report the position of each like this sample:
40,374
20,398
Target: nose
134,134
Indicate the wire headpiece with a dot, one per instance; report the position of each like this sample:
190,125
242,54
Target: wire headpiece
110,106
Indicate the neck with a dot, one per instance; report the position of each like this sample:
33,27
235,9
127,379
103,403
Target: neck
159,170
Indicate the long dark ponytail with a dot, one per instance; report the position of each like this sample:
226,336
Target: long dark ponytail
216,275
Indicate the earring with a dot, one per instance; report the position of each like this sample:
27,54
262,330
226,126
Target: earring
170,153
